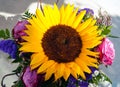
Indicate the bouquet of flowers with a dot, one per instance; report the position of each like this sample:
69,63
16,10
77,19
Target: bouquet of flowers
59,47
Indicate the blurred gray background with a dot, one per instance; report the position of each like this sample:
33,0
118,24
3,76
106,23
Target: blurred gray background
10,11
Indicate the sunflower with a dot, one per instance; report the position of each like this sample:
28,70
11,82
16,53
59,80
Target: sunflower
61,42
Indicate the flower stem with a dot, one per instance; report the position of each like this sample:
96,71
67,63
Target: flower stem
2,84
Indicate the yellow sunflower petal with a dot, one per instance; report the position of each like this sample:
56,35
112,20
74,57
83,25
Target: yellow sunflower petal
62,11
29,48
72,17
78,19
45,66
66,73
73,73
47,17
56,14
84,25
51,70
59,71
82,65
40,16
68,12
52,17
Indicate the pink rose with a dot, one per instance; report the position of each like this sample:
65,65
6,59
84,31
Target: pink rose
18,30
107,51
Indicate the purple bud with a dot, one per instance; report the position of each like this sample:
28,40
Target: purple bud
88,11
18,30
31,79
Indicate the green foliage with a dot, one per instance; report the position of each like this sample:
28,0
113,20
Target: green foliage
18,69
101,77
113,36
105,30
18,83
106,78
51,83
4,33
86,17
17,60
27,15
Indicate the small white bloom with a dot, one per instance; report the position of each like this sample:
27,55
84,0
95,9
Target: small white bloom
92,85
105,84
96,72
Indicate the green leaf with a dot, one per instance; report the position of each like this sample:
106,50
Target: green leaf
4,33
17,60
105,31
113,36
27,15
109,27
7,32
18,84
18,69
106,78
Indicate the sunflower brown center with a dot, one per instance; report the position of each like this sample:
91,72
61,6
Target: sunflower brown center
62,43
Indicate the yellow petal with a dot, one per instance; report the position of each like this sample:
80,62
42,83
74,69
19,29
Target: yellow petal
82,65
88,29
59,71
72,17
66,73
84,25
41,17
29,48
78,19
56,14
92,23
47,17
73,73
62,11
45,66
68,12
51,70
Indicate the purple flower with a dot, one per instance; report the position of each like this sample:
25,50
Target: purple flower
72,82
31,79
88,11
104,19
89,76
83,84
18,30
10,47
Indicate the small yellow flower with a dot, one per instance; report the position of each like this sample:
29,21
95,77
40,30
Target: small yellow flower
61,42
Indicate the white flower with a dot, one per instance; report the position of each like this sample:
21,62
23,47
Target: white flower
105,84
96,72
92,85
